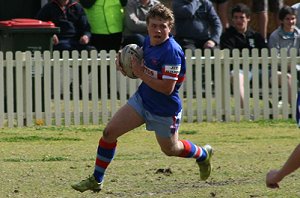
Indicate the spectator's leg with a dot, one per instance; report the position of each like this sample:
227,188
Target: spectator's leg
274,7
289,76
260,7
289,79
222,10
107,42
241,86
263,23
63,45
186,43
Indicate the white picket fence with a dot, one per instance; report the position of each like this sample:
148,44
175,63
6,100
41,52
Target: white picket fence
44,88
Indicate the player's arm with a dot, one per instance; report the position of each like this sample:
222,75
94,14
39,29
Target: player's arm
165,86
292,164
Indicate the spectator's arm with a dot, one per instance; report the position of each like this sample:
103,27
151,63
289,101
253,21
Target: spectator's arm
83,24
132,21
292,164
216,25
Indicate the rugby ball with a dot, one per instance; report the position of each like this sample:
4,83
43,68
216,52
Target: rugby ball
125,58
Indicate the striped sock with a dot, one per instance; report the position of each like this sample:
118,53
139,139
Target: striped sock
193,151
105,155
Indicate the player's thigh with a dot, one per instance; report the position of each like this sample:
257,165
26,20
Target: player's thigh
124,120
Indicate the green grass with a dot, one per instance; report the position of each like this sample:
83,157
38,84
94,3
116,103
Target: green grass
45,161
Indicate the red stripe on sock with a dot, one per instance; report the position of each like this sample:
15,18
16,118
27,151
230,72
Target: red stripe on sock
197,155
187,148
107,145
101,163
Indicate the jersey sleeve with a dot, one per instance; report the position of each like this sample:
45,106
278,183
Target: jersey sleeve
171,67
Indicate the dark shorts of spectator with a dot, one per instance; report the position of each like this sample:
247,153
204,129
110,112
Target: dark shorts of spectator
70,44
193,44
266,5
219,1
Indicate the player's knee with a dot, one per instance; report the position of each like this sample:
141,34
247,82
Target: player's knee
107,135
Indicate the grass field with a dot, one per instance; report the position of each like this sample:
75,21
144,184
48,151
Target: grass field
45,161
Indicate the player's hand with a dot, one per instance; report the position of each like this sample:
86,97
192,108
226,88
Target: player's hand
137,66
272,179
118,64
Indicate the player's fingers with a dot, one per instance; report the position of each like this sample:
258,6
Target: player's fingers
133,60
118,63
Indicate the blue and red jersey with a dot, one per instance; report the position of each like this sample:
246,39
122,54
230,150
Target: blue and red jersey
164,61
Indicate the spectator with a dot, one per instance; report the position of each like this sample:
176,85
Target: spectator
287,35
106,19
135,27
293,163
70,17
261,7
197,24
240,36
74,34
297,8
221,6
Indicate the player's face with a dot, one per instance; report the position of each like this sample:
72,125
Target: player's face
240,21
158,30
289,23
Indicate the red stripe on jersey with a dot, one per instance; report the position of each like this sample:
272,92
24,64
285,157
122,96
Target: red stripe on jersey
180,79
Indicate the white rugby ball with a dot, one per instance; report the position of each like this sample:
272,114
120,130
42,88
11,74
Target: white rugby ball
125,56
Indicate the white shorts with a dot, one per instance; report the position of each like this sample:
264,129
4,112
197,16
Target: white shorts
163,126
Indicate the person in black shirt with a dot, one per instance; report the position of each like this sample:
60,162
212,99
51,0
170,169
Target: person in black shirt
240,36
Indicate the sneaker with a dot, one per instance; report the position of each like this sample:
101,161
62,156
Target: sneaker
88,184
205,166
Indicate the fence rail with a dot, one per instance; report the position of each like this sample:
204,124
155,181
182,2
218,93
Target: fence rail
75,89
